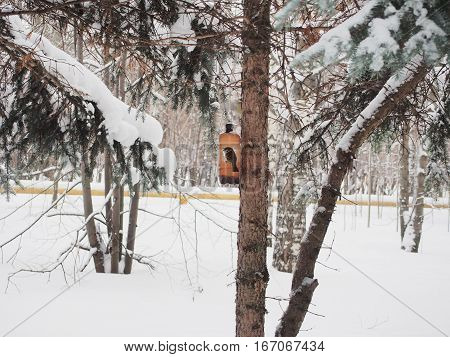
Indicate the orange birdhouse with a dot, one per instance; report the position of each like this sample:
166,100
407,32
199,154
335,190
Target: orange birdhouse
229,156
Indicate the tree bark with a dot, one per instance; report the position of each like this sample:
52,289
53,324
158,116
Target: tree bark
90,225
404,179
121,206
303,281
108,183
115,234
98,254
272,184
107,153
132,224
122,85
252,275
413,232
56,179
369,186
291,224
291,210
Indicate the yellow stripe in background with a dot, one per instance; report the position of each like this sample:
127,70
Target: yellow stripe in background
183,197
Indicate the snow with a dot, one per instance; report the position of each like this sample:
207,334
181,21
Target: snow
307,281
380,43
426,38
282,16
195,297
166,159
408,239
135,176
123,123
182,31
390,88
337,41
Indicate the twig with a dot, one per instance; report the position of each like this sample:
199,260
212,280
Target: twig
40,216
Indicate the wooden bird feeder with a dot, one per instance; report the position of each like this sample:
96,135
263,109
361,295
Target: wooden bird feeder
229,156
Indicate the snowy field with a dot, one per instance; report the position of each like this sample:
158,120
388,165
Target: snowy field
191,290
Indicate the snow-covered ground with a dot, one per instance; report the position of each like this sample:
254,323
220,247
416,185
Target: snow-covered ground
191,290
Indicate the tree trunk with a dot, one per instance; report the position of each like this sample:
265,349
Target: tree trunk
291,212
108,183
90,225
272,184
107,153
132,224
56,179
303,281
94,242
404,179
413,231
121,206
252,275
369,186
115,235
291,223
121,94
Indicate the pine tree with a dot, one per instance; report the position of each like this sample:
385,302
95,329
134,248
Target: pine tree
252,275
45,117
409,37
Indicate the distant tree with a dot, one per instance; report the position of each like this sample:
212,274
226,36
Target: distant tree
413,231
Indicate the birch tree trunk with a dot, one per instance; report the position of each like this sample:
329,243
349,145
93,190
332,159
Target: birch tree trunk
291,223
303,281
369,186
273,169
404,179
291,212
413,231
56,179
252,275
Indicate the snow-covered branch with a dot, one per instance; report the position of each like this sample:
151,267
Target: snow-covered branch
394,36
123,124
